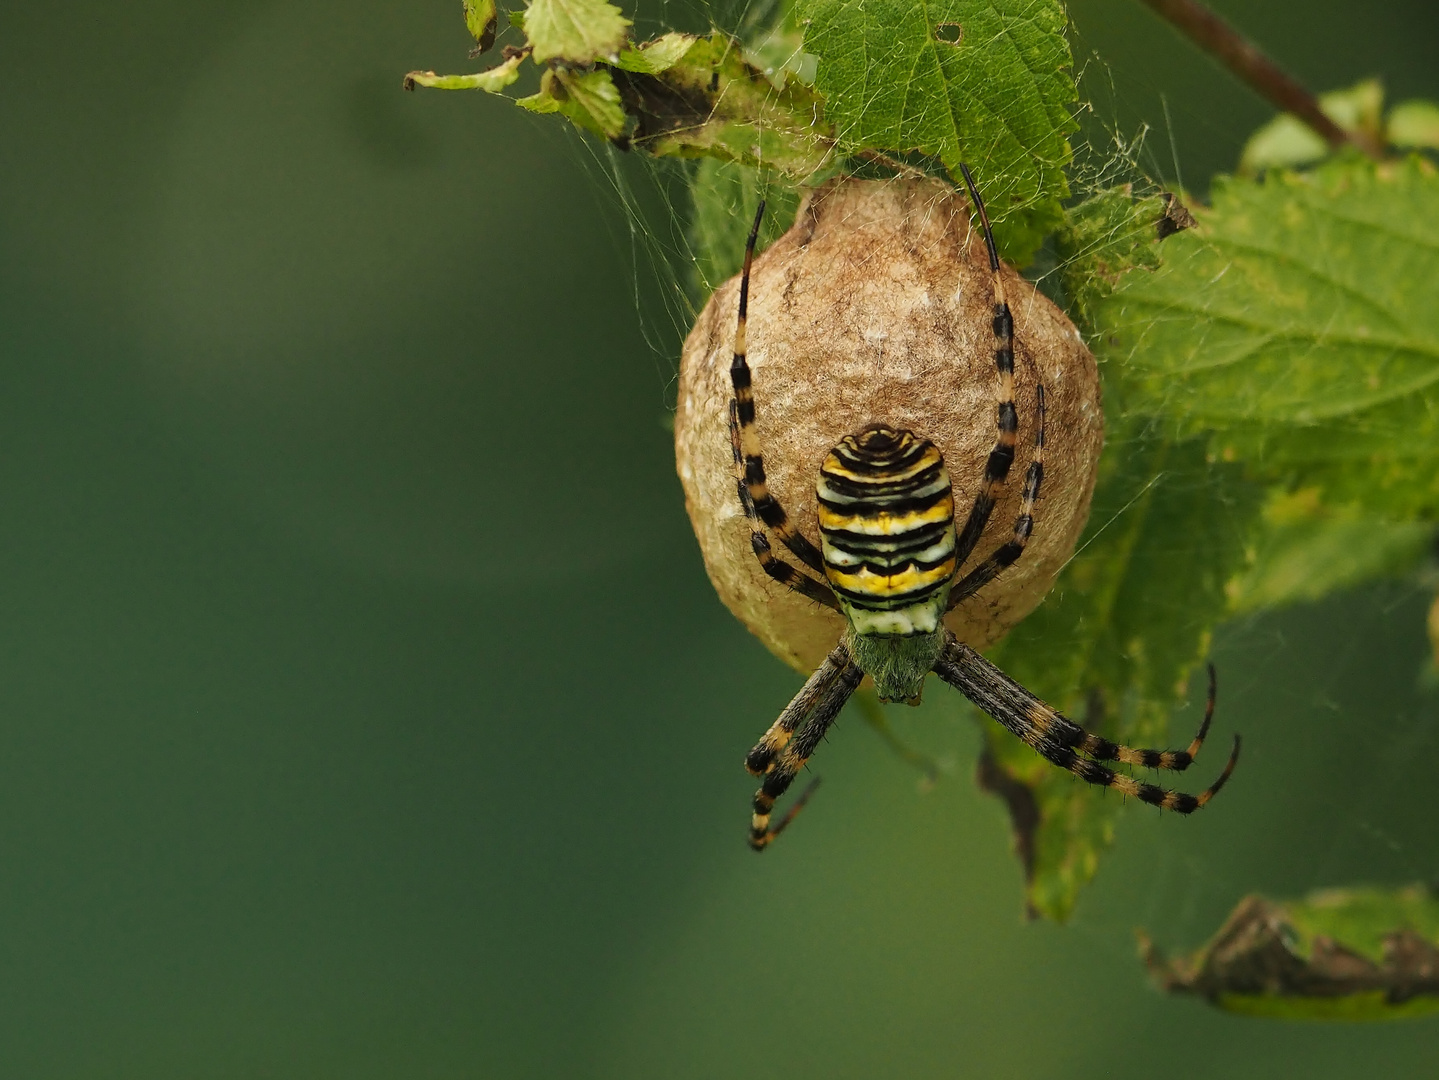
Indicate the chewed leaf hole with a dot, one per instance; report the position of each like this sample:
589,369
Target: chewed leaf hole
949,33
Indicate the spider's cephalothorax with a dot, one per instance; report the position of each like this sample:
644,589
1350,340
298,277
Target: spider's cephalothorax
890,559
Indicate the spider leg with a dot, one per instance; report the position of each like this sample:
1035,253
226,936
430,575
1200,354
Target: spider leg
761,759
775,567
1056,737
996,468
749,460
784,766
988,570
1101,749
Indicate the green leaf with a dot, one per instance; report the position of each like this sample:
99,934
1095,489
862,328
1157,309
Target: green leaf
588,98
1286,141
1115,643
494,80
986,82
1414,125
1274,371
1298,326
1339,954
656,56
1107,236
712,102
578,31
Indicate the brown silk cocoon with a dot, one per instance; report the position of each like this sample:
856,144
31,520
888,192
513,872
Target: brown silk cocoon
876,307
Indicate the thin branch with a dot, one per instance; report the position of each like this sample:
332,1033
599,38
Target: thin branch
1267,78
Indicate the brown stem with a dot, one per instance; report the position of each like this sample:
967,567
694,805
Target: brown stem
1248,61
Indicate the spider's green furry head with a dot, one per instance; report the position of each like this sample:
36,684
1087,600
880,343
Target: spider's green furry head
898,664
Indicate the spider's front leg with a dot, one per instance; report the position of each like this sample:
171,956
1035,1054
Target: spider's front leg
776,568
760,505
996,467
785,748
1011,550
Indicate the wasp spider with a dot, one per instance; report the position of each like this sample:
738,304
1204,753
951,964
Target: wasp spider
889,560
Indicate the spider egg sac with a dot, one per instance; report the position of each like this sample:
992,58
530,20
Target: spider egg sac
876,307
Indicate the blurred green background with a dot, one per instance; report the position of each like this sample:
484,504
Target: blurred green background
364,708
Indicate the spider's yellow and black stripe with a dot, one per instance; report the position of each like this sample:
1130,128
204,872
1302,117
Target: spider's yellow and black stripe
1061,741
886,527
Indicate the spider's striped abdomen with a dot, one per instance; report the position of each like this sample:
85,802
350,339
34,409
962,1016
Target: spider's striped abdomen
886,526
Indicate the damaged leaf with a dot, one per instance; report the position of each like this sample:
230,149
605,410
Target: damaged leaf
1340,954
712,102
656,56
676,96
494,80
481,19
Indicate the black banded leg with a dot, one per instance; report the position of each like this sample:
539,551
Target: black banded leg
1008,553
1054,736
996,468
775,567
749,458
759,760
786,766
1040,721
1102,749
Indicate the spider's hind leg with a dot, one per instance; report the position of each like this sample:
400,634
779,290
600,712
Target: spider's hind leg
761,758
1101,749
1057,738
